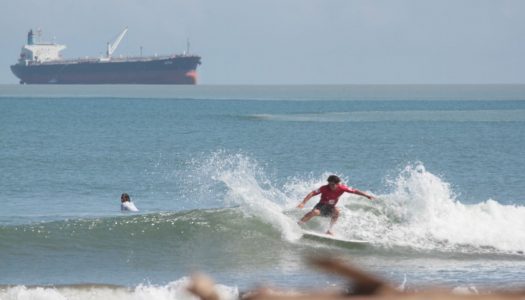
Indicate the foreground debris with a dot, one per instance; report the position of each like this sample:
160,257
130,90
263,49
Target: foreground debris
362,286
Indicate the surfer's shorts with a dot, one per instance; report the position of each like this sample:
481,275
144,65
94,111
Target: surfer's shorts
326,209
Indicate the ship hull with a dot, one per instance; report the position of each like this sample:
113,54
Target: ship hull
171,70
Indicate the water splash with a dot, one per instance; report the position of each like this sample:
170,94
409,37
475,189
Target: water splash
248,187
421,211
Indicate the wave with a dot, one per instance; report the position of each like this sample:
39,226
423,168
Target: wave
420,212
173,290
174,231
399,116
423,212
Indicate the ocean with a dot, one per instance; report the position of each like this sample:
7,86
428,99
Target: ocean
217,173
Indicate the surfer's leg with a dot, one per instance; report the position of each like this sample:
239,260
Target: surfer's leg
335,216
313,213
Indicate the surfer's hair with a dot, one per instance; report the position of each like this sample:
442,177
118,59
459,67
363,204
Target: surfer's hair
124,197
333,179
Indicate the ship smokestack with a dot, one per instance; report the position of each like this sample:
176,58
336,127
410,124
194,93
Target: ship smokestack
30,37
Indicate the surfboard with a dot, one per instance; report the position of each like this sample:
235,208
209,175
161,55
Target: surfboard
326,238
128,206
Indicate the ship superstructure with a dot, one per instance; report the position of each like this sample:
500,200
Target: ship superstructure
39,52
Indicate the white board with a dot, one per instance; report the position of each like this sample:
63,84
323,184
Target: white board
128,206
327,238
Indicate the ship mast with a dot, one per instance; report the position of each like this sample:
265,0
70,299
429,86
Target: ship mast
113,46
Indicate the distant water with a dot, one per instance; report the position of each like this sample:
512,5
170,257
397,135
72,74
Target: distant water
217,171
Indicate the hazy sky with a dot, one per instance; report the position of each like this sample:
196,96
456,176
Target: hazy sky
290,41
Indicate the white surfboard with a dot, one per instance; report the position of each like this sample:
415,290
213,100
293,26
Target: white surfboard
128,206
327,238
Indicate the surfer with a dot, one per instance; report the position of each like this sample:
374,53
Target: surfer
126,204
330,194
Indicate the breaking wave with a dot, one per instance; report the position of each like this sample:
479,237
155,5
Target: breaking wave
420,212
173,290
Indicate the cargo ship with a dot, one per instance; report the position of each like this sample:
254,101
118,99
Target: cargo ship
42,63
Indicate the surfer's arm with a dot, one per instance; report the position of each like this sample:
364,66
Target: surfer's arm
358,192
308,197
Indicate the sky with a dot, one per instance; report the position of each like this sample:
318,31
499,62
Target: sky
290,41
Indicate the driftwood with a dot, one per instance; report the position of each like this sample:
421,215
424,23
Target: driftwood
362,286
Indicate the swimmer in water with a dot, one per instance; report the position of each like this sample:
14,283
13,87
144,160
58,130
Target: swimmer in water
126,204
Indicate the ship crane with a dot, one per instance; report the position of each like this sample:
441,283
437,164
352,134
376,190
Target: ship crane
113,46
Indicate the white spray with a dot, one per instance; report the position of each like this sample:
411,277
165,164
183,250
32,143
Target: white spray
421,212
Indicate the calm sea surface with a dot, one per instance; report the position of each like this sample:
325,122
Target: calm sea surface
216,172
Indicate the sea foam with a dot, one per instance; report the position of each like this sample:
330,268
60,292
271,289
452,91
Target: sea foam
174,290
